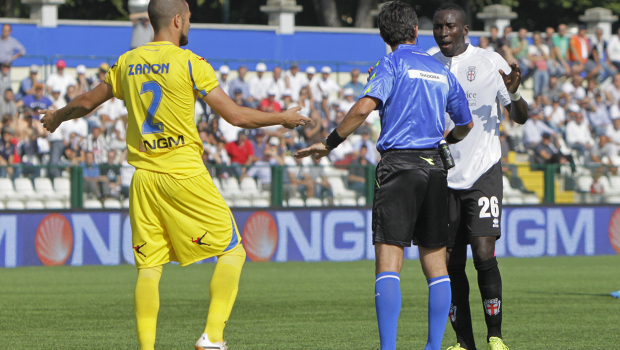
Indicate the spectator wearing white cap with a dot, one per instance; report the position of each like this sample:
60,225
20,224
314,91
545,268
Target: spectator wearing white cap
60,80
269,104
224,83
295,80
313,82
26,86
82,83
260,83
327,85
354,84
348,101
287,100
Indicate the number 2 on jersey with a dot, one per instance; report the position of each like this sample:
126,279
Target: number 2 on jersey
149,126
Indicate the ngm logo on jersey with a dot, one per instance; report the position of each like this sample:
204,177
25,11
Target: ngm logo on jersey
104,238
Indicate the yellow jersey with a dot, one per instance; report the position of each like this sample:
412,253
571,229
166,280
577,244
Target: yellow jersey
159,83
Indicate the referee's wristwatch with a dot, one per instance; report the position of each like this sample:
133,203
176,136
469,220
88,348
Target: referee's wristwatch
324,142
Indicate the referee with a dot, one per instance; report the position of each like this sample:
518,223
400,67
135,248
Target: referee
412,91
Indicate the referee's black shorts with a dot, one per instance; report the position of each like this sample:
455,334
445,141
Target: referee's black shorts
411,199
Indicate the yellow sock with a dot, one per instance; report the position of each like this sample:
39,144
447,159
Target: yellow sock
146,303
223,291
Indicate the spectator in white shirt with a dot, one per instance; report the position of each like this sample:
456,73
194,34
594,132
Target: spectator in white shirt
578,136
295,80
82,83
58,99
613,131
327,85
260,83
77,126
574,88
613,90
555,114
613,49
110,111
313,82
348,101
224,83
279,84
59,81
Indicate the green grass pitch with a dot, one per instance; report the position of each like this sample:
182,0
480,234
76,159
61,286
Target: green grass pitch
549,303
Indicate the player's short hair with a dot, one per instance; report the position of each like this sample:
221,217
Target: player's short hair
397,22
453,7
161,12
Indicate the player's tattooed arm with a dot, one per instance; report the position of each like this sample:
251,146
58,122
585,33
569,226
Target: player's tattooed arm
517,109
77,108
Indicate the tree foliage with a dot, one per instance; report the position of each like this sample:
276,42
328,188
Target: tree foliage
533,14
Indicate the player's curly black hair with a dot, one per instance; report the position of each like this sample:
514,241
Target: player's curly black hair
397,22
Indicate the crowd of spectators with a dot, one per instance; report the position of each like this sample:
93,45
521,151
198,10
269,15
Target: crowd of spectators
234,152
574,117
575,112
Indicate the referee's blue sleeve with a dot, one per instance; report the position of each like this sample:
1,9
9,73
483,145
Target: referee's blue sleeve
381,82
457,106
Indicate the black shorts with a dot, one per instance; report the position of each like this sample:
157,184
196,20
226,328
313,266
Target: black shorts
477,211
411,199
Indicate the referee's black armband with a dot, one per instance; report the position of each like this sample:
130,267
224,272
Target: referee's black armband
451,139
334,140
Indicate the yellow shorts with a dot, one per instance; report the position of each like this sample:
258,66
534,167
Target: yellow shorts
183,220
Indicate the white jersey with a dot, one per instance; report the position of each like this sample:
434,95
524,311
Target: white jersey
477,70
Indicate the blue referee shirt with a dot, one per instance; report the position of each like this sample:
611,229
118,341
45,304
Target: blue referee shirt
415,91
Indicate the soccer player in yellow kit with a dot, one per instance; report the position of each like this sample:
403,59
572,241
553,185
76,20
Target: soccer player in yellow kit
176,212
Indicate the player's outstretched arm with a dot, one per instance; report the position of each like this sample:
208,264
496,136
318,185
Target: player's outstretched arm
518,113
78,107
249,118
354,118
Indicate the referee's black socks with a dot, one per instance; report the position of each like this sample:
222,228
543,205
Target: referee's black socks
490,284
460,314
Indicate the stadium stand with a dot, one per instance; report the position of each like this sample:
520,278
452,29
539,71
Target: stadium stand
578,111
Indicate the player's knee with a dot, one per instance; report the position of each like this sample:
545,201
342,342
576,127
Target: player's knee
486,265
483,248
454,269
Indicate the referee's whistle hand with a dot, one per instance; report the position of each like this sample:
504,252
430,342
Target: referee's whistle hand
292,119
318,149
